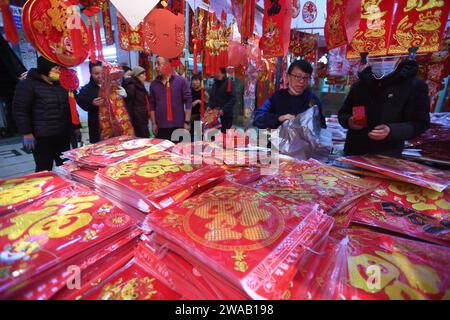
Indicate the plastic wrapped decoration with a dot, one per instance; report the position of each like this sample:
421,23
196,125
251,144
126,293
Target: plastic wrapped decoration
211,119
155,181
331,189
114,150
54,229
391,216
247,239
46,26
357,264
114,118
403,170
16,193
304,45
303,138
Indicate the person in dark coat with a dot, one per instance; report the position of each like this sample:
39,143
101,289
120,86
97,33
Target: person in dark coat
42,113
396,106
138,102
223,96
88,99
286,104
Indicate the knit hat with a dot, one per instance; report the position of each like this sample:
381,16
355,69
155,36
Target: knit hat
137,71
44,66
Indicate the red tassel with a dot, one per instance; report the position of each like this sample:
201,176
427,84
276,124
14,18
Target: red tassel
91,41
202,100
98,39
73,109
195,42
169,102
11,33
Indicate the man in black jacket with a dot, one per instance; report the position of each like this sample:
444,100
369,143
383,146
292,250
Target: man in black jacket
223,96
88,99
42,113
396,107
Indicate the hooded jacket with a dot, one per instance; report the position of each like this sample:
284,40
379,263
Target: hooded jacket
84,99
399,101
41,108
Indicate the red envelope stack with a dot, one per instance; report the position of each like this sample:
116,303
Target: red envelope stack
242,242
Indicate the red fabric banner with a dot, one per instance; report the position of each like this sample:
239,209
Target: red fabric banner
335,35
419,24
276,26
374,28
304,45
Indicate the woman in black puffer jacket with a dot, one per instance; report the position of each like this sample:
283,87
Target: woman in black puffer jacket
42,113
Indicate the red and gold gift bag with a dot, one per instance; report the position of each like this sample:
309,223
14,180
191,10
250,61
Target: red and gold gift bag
251,239
322,185
54,229
418,24
16,193
372,35
276,28
403,170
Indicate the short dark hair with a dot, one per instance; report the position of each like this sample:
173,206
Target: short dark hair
303,65
126,68
92,65
196,77
223,71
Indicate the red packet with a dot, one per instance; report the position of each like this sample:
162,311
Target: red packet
359,116
52,230
251,239
18,192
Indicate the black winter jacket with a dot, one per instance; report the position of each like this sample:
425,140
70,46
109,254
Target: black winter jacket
41,108
136,102
84,99
399,101
220,98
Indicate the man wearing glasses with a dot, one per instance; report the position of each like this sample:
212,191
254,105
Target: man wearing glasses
286,104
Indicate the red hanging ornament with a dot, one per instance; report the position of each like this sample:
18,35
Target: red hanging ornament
169,102
95,44
69,81
11,33
98,40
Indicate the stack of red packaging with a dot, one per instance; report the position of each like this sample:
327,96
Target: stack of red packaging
16,193
70,227
155,181
242,243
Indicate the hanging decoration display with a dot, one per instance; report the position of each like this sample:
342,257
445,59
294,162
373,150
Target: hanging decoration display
198,37
335,24
107,25
69,80
244,12
91,10
418,24
134,14
372,35
212,46
130,39
309,12
164,33
304,45
276,26
45,24
9,26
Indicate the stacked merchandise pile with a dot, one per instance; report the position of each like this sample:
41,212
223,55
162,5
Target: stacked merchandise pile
432,146
86,160
236,241
70,227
